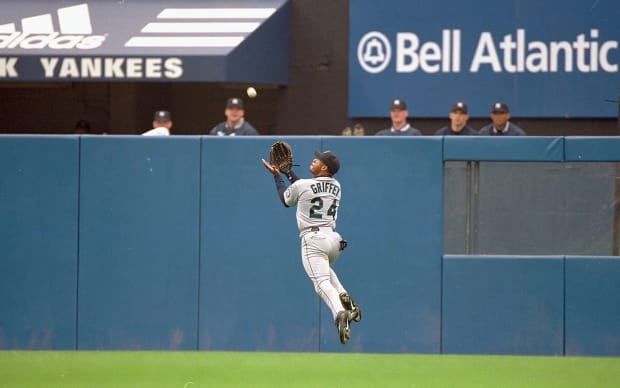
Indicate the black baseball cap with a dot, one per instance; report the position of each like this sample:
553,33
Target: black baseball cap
399,104
501,107
162,115
459,106
234,102
329,159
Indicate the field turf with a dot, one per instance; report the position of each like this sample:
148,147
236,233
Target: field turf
261,369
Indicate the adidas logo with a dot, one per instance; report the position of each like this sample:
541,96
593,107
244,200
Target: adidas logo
38,32
208,28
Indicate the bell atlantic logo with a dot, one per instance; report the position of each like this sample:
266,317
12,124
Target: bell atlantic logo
374,52
38,32
511,53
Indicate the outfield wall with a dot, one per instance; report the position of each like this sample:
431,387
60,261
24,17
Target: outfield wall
180,243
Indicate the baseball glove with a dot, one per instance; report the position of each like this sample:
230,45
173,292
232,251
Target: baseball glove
281,156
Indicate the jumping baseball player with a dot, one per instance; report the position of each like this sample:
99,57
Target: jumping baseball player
317,200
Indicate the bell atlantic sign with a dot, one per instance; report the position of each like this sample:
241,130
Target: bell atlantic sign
564,65
133,41
511,53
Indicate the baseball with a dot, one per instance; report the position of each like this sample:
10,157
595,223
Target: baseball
251,92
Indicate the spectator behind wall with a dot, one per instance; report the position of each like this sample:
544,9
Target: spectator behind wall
359,130
500,114
82,127
400,126
458,122
235,124
162,124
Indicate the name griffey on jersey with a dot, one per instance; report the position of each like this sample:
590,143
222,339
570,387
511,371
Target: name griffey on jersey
325,187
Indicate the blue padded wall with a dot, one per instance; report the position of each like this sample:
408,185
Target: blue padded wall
38,229
515,148
139,220
391,213
254,292
592,149
592,306
129,242
503,305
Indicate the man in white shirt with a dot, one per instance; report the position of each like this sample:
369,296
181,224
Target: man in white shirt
400,126
162,124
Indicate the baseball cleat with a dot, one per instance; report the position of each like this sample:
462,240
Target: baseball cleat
349,304
342,322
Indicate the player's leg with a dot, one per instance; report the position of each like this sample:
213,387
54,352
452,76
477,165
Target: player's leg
315,260
351,306
333,253
345,298
342,324
317,268
333,278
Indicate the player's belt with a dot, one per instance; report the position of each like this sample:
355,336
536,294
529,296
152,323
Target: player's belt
318,228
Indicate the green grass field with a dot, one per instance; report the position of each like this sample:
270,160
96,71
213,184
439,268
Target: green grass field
260,369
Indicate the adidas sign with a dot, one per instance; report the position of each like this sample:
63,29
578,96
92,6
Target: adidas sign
38,32
55,40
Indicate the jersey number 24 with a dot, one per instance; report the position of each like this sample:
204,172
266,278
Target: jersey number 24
317,206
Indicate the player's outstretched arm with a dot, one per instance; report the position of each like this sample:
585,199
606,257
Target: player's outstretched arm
292,177
280,186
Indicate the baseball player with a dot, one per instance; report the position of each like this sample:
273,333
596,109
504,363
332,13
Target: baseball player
317,200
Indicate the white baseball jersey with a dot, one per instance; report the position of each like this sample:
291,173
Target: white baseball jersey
159,131
317,202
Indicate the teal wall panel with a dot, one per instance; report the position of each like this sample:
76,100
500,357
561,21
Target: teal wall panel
497,148
592,306
592,149
503,305
139,220
38,241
